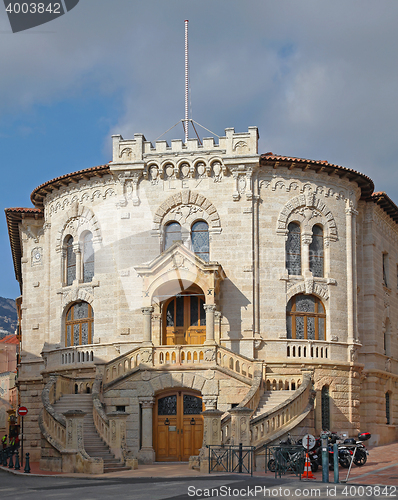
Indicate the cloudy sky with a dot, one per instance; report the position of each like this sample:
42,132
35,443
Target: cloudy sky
319,79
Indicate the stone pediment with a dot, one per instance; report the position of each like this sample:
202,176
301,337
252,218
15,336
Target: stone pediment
175,270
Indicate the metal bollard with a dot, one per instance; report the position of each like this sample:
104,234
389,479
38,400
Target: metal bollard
11,464
240,457
5,456
17,466
325,458
336,462
27,466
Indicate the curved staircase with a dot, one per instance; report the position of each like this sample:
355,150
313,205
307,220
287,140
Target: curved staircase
93,444
271,399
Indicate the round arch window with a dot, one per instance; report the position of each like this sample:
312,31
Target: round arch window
305,318
172,233
79,324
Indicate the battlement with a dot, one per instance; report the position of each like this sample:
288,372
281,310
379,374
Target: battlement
138,149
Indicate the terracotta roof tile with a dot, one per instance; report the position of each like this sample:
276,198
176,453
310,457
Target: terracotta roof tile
10,339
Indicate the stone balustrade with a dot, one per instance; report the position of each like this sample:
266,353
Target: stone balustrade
112,426
308,349
65,432
178,356
272,424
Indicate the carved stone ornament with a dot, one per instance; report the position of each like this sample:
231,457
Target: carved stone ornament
210,355
146,376
146,356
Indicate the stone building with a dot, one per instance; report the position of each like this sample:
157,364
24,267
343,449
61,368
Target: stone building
188,277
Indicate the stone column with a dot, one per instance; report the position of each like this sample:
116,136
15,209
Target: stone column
306,239
78,253
210,310
211,436
217,326
240,426
146,455
147,333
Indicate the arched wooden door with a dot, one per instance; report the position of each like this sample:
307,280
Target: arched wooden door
184,319
177,426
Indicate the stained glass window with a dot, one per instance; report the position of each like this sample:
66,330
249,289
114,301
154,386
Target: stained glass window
167,405
172,234
293,249
70,261
200,240
88,258
79,324
305,318
316,252
192,405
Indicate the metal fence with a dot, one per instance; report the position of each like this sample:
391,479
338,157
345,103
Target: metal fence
285,459
229,458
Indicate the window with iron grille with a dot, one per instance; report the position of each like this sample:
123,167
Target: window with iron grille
79,324
172,233
70,261
388,421
293,249
325,408
305,318
316,252
88,258
200,239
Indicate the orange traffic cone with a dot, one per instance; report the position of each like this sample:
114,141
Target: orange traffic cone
307,474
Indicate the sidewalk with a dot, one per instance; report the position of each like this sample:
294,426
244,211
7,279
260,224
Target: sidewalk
381,468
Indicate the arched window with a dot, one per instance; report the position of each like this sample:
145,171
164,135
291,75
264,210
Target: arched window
79,324
172,233
88,258
316,252
200,239
70,261
388,406
305,318
325,408
293,249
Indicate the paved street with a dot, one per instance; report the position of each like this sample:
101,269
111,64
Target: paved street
42,488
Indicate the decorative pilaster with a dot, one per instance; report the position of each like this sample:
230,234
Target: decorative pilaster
211,436
117,425
240,426
147,326
146,454
74,429
210,310
351,278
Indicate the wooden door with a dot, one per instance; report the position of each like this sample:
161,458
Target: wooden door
184,320
178,426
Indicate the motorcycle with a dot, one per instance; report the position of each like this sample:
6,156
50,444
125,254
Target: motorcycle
361,453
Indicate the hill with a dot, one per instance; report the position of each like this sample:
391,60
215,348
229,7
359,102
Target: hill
8,316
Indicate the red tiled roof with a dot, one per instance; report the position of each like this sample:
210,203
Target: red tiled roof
41,191
386,203
14,216
10,339
363,181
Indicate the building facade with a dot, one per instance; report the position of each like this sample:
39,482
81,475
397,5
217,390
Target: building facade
188,277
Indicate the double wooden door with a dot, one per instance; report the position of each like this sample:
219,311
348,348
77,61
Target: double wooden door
184,320
178,426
